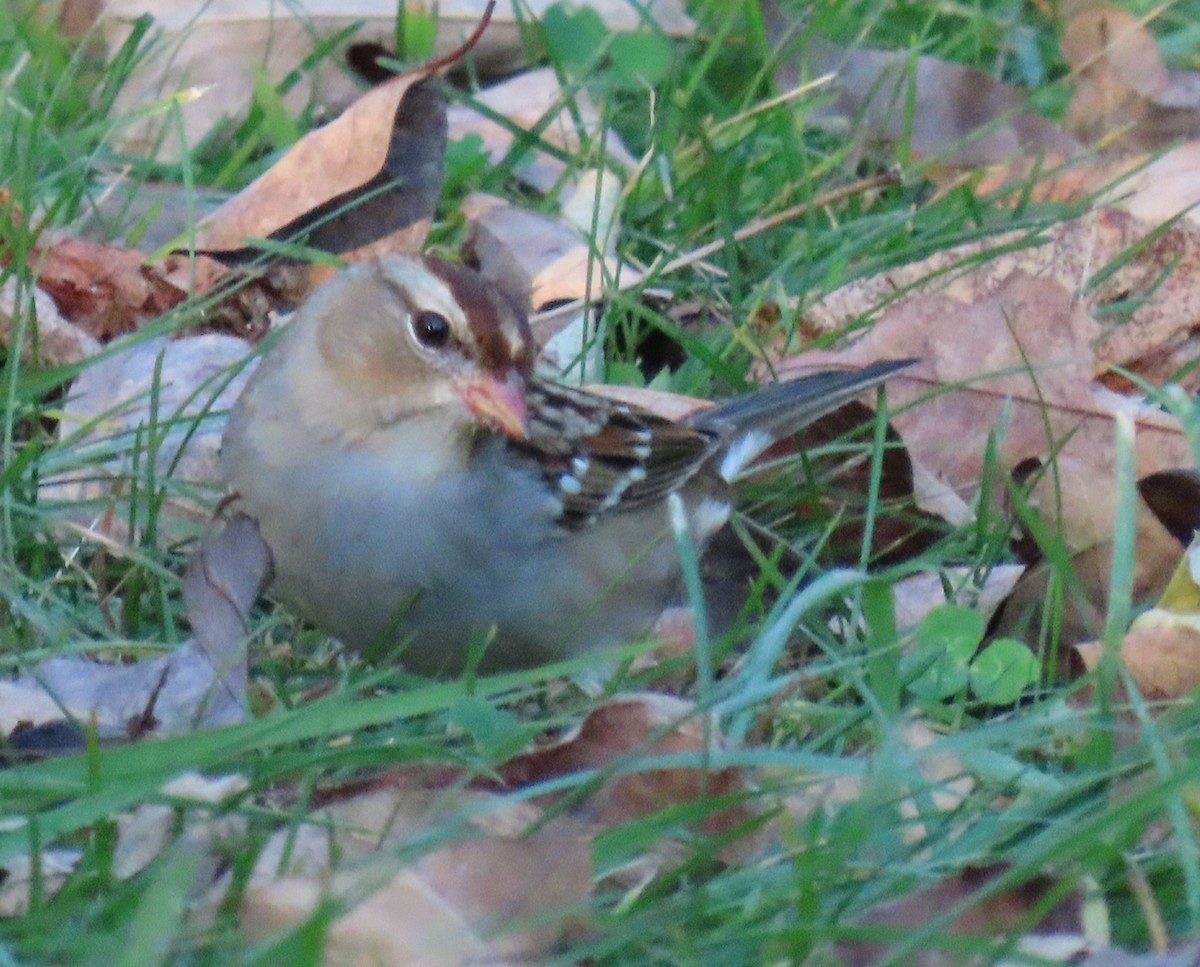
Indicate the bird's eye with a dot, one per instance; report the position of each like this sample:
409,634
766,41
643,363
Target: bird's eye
432,329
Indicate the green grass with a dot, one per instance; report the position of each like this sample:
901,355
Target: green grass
1055,790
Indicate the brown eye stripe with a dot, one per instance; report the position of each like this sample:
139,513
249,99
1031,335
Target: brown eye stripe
502,337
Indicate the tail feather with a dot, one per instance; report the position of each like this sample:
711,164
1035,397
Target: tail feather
753,421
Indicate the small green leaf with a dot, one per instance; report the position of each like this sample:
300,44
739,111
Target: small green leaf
1003,670
949,636
466,161
952,627
492,728
640,59
574,36
277,122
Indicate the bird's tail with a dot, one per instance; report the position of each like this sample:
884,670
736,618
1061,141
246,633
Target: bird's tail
753,421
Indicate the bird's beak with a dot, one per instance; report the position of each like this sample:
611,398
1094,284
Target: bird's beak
499,402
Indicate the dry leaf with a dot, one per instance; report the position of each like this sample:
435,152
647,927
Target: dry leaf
1123,93
1164,660
993,916
1079,507
1055,410
103,289
58,342
1164,187
645,725
387,211
174,693
386,140
214,51
505,888
1154,341
181,390
1162,649
959,115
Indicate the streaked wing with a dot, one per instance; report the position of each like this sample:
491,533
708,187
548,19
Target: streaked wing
596,453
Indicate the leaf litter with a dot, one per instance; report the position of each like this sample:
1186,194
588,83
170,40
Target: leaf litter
1060,328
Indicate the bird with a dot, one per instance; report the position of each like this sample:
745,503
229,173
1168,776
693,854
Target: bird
417,483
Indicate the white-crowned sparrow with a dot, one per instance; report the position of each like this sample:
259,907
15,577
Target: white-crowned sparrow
414,481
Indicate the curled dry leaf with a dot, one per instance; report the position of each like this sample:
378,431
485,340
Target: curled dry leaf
316,194
353,149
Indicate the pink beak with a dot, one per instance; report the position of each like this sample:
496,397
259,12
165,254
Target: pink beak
500,403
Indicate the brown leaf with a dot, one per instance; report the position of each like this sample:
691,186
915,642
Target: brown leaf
504,887
1078,508
228,571
1155,273
979,353
399,197
327,162
1164,660
1084,601
991,916
1156,190
642,725
1123,93
957,114
104,289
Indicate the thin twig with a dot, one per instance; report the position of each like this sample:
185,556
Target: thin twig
438,63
